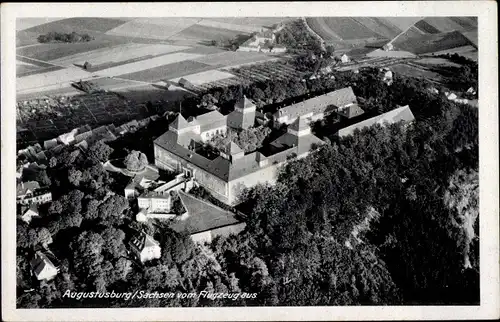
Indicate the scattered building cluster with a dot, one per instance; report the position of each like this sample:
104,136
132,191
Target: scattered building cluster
263,42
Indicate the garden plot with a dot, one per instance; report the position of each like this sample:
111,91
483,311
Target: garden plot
156,28
205,77
147,64
118,53
50,80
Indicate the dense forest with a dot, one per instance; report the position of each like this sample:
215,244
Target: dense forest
386,216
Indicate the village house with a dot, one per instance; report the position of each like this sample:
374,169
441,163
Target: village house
400,114
144,247
231,170
317,107
204,221
29,212
31,193
44,265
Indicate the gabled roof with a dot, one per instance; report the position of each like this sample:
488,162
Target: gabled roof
142,241
399,114
202,216
40,262
342,97
25,186
232,148
179,122
318,104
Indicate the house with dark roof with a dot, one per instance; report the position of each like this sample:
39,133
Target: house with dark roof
225,174
31,193
144,247
44,265
316,107
400,114
204,221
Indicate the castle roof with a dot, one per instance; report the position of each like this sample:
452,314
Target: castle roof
399,114
179,122
319,104
232,148
244,103
202,216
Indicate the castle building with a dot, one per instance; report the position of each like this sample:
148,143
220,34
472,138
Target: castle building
224,175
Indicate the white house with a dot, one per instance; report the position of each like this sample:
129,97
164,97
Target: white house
155,202
345,59
144,247
29,213
43,266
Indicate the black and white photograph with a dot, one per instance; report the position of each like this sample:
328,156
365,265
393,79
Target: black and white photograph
248,160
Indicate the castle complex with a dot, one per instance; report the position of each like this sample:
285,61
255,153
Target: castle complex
225,174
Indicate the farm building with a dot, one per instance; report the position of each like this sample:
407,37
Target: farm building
144,247
262,42
204,221
400,114
225,174
317,107
44,266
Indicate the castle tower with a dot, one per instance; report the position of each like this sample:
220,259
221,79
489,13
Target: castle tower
299,127
232,152
243,115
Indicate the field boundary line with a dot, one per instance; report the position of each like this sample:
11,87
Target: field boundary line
321,40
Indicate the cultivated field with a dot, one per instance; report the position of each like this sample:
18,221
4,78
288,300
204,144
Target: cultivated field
431,43
392,53
411,71
466,51
402,23
156,28
147,64
266,22
204,33
230,26
230,58
167,71
205,77
435,61
118,53
55,78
